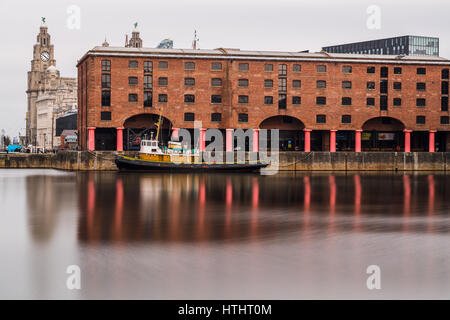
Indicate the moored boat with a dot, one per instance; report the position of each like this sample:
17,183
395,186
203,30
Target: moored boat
176,159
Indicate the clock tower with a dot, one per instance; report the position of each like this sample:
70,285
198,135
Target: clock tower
43,58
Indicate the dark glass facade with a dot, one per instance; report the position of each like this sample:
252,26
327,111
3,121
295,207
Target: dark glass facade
405,45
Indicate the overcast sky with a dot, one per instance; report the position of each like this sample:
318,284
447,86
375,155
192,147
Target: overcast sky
285,25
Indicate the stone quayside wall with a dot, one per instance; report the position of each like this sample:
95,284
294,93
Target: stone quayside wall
289,161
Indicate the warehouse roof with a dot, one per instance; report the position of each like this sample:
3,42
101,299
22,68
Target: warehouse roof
222,53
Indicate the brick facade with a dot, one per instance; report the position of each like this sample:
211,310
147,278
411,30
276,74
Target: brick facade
90,89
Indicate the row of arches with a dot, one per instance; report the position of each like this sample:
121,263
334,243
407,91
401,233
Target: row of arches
378,134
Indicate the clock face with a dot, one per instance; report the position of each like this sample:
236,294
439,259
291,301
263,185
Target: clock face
45,56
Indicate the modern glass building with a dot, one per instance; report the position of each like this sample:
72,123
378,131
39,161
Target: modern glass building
405,45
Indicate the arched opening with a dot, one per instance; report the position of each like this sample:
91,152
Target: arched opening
145,124
291,133
382,134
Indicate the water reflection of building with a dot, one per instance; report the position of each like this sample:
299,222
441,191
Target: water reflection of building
192,208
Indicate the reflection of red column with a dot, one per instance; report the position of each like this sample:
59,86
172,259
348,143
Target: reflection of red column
120,139
357,180
431,190
431,142
307,203
229,203
332,181
255,140
229,140
91,138
255,203
119,207
90,204
201,204
358,140
307,140
175,133
333,140
407,140
406,200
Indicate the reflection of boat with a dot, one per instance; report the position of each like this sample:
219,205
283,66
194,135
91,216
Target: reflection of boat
175,158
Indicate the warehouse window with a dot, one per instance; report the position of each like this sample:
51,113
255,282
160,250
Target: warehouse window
106,66
296,100
445,120
444,103
268,83
397,70
163,65
243,83
282,70
216,98
296,84
189,117
282,101
420,102
346,118
162,98
268,100
321,118
106,81
105,116
421,71
397,86
346,84
216,117
445,74
321,100
370,85
370,101
216,66
189,66
148,97
444,87
148,82
384,72
321,68
148,67
383,102
320,84
282,84
346,101
397,102
189,98
189,82
297,68
268,67
133,97
370,69
420,119
132,81
243,66
163,81
133,64
421,86
106,98
216,82
243,117
243,99
346,69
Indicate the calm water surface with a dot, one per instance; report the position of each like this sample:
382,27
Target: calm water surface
161,236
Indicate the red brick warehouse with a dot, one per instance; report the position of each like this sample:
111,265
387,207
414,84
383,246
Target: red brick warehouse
318,101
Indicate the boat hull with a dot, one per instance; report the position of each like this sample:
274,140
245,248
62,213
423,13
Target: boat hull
134,164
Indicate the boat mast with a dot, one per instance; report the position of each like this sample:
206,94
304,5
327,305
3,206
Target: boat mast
159,124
